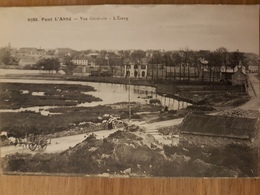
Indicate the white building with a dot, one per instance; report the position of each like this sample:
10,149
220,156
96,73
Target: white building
80,61
252,68
135,71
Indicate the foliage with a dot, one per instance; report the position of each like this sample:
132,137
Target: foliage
6,57
137,55
49,64
236,57
70,66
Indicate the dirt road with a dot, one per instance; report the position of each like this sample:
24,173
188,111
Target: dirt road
63,143
253,92
57,144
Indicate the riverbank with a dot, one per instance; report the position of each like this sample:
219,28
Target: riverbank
193,92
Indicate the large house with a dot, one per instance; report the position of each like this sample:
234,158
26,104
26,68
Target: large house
236,75
213,130
239,77
81,61
135,70
27,61
31,51
31,55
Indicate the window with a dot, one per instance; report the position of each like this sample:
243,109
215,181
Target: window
127,73
143,73
143,67
135,67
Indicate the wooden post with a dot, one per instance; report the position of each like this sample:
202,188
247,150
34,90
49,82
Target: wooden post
129,102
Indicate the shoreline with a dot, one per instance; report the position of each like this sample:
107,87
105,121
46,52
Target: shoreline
180,90
110,80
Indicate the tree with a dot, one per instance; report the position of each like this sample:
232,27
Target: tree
70,66
214,61
137,55
156,60
5,56
188,60
176,61
114,62
167,60
236,57
49,64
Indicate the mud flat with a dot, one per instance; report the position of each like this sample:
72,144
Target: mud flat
17,95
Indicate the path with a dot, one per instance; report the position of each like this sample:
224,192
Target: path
152,128
57,144
63,143
253,92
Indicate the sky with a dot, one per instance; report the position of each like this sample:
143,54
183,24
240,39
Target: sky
165,27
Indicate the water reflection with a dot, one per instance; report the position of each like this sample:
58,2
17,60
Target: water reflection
43,110
110,94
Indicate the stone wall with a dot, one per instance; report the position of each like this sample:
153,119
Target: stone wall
198,140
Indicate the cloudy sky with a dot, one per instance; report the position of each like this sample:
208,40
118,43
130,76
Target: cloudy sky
167,27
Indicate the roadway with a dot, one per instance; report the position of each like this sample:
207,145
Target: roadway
253,92
64,143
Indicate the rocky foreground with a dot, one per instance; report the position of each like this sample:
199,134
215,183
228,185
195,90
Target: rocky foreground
133,153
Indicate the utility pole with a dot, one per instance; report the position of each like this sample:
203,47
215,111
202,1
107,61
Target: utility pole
129,102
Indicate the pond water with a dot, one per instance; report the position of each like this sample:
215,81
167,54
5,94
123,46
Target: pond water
17,71
109,93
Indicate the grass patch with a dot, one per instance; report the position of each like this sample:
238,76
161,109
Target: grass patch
17,95
18,124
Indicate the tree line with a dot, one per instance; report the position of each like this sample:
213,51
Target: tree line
180,64
161,64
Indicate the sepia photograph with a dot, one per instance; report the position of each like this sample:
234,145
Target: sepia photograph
130,91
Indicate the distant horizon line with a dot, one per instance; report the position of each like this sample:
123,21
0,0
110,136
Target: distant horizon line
164,50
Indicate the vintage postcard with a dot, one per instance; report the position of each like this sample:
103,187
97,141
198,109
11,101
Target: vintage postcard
130,90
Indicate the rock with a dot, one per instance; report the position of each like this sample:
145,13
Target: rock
153,146
71,124
82,123
106,116
180,159
3,133
12,140
127,171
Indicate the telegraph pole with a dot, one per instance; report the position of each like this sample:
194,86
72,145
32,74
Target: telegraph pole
129,102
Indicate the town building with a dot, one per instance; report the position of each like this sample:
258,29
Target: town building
232,75
252,68
239,77
31,51
81,61
27,61
133,70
